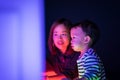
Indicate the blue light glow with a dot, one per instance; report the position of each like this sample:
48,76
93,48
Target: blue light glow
22,40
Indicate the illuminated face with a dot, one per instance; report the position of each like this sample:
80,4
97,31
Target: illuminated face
61,37
77,36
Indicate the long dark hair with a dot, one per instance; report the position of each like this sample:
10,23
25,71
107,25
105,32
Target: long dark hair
67,23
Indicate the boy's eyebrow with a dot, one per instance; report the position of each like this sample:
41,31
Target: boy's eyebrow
75,34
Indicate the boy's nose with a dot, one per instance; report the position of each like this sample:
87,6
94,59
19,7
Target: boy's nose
71,41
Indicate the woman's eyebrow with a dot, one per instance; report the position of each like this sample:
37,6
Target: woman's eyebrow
55,32
64,31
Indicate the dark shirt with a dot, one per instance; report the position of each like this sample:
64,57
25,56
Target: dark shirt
65,64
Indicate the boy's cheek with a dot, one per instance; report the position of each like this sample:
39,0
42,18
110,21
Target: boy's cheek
76,42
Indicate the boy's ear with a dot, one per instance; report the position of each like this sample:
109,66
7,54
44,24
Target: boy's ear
87,39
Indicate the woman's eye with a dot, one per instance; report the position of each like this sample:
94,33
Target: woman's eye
55,34
64,34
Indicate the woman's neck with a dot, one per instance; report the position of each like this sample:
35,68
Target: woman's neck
63,50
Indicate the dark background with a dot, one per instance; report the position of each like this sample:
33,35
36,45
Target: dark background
105,14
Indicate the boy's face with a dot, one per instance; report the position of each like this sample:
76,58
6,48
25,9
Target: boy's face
78,37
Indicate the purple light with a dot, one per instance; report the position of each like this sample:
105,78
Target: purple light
22,40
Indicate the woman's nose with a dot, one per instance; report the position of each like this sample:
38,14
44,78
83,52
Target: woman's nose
60,36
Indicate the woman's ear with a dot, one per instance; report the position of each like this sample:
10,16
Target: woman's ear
87,39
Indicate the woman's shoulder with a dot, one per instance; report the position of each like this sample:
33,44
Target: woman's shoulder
75,55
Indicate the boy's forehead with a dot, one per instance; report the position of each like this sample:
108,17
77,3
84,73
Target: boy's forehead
77,31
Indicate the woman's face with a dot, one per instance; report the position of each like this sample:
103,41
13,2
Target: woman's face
61,37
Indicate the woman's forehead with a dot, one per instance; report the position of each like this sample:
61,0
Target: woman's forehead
60,28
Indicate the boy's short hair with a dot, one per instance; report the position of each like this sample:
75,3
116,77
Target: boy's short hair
91,29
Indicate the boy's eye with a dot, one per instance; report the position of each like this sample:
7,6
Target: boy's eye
73,37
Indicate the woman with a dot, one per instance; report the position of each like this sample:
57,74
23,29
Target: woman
62,58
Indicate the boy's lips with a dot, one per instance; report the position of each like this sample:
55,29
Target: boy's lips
72,46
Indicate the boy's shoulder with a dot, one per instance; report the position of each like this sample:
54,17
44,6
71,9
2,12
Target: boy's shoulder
90,53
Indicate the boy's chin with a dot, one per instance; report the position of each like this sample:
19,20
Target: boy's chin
75,49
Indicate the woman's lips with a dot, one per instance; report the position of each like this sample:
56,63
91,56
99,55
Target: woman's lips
60,42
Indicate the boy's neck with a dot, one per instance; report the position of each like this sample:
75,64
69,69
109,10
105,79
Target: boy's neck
83,51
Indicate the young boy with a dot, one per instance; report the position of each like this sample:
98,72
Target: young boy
84,36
